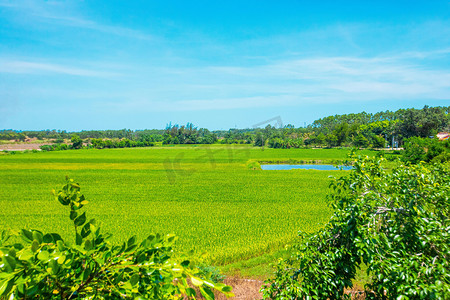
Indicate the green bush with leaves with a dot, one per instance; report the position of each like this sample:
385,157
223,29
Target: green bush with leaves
77,142
426,149
396,222
44,266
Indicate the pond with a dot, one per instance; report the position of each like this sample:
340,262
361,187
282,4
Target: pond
306,167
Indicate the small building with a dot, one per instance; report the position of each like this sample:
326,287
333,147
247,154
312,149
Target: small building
442,136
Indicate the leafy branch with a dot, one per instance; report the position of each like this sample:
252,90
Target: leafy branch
45,266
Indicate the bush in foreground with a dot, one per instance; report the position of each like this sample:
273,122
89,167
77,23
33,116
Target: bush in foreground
396,222
44,266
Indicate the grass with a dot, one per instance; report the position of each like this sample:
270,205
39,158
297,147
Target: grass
206,195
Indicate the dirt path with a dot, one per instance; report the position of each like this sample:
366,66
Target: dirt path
21,147
243,289
248,289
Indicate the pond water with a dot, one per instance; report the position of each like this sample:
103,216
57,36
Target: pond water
306,167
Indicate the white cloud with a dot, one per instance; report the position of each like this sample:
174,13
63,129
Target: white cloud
286,83
320,79
88,24
29,67
63,14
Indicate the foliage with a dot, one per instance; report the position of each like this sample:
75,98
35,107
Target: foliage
254,165
54,147
188,134
426,149
423,123
377,141
403,123
333,131
331,140
192,191
360,141
285,143
144,141
260,140
212,272
395,222
46,266
12,135
77,142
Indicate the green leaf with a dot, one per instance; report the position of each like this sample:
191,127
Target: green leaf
131,241
9,263
56,237
190,292
185,263
227,289
171,238
63,200
196,281
21,288
35,246
26,235
61,259
88,245
131,248
106,256
54,266
48,238
208,283
38,236
134,279
61,246
78,239
12,252
43,255
73,215
5,286
86,274
80,220
26,254
207,293
86,230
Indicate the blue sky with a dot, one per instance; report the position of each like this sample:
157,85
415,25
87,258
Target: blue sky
80,65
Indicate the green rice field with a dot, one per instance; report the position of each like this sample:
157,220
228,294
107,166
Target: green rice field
207,195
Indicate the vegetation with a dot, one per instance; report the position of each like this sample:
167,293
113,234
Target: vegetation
209,196
188,135
362,130
395,222
44,266
428,150
392,222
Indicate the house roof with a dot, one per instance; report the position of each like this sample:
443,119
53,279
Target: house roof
443,136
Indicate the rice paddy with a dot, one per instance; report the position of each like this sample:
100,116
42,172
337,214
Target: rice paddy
206,195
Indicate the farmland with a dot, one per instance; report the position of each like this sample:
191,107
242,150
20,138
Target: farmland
206,195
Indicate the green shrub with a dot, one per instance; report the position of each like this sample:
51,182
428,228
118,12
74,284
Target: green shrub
425,149
47,147
77,142
212,272
44,266
396,222
378,141
254,165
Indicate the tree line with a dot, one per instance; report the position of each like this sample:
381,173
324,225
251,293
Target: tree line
362,130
